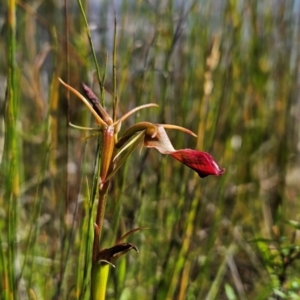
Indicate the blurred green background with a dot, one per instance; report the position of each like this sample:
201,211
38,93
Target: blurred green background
226,69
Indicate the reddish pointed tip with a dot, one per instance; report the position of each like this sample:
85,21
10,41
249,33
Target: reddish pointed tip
201,162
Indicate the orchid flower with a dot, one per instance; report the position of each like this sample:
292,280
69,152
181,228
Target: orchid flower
114,152
152,135
156,137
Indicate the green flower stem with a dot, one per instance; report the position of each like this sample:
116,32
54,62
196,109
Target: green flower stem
100,218
99,273
99,280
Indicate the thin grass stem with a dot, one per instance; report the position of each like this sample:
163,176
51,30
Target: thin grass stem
115,96
91,45
10,161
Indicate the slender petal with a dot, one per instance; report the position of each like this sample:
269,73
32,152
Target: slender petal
183,129
86,102
123,118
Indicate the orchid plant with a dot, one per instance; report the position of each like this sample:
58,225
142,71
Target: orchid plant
114,152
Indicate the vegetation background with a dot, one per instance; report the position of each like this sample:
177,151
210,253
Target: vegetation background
226,69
